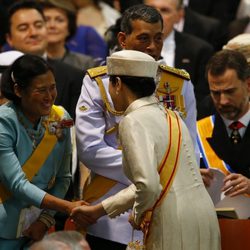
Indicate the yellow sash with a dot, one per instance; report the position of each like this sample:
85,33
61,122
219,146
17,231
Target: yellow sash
205,130
98,187
39,156
167,168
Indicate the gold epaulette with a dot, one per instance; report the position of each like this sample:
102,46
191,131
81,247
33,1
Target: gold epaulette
97,71
180,72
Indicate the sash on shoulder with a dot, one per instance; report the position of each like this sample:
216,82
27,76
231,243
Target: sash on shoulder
39,155
167,168
205,128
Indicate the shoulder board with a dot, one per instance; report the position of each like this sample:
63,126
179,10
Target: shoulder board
179,72
97,71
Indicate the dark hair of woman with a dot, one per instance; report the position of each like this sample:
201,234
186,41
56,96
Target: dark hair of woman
140,86
22,72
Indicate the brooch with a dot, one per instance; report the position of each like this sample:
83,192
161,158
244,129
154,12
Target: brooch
56,127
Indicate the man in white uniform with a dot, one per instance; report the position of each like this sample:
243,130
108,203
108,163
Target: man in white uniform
159,159
97,122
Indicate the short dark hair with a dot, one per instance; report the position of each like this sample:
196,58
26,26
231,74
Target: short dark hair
25,4
228,59
71,16
140,86
22,72
141,12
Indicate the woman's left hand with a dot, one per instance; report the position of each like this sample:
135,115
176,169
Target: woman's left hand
36,231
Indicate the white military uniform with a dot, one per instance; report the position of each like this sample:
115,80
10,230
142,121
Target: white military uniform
98,146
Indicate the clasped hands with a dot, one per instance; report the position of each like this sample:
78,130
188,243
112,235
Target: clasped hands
85,215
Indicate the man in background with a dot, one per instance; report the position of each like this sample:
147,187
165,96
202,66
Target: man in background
97,122
229,82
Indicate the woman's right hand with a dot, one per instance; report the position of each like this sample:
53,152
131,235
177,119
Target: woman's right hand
85,215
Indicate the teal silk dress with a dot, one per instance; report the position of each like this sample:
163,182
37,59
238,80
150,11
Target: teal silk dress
18,140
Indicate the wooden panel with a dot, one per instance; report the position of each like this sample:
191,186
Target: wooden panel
235,234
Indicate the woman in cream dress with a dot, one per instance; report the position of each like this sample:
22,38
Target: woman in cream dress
185,218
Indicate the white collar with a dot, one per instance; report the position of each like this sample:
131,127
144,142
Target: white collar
245,119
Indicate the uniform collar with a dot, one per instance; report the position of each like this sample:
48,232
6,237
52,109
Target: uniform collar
144,101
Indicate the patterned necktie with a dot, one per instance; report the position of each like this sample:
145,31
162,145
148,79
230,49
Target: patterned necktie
235,136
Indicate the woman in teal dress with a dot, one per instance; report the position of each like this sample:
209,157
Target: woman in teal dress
35,153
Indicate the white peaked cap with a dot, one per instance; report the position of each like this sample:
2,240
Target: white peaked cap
240,43
8,57
131,63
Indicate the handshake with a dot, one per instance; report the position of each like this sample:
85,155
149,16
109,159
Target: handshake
84,215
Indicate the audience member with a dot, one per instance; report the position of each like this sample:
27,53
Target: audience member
229,83
34,133
111,38
60,240
61,25
97,121
88,42
204,27
27,33
160,169
96,13
239,43
182,50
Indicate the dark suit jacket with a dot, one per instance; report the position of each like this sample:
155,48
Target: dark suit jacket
236,156
192,54
237,27
68,83
224,10
205,107
206,28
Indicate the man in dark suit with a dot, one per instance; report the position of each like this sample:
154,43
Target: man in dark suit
26,32
204,27
224,137
183,50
